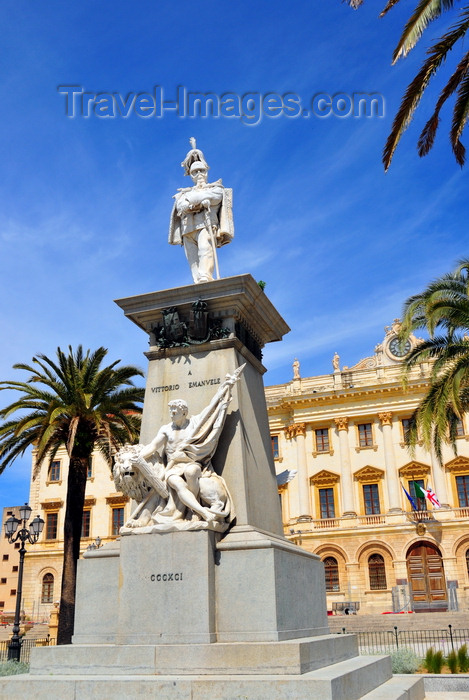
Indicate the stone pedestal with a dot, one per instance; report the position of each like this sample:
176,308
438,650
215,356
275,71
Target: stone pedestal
184,588
167,589
194,372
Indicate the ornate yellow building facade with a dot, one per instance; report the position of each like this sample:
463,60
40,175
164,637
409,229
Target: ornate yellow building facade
9,564
105,512
338,442
343,435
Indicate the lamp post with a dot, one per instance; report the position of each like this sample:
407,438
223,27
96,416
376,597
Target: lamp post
30,535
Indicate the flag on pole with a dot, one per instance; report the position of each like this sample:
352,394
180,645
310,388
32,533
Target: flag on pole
431,495
412,502
420,492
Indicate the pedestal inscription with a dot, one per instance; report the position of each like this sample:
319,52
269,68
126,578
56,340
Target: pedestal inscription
167,589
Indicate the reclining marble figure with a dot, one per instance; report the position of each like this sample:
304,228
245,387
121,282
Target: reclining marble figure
172,477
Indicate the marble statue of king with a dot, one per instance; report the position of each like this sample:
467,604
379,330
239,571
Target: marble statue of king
201,219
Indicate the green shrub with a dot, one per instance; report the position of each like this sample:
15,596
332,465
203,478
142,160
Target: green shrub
438,661
434,661
463,659
12,668
428,660
404,660
452,661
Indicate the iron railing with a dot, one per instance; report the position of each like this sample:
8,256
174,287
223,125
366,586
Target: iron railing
26,646
387,641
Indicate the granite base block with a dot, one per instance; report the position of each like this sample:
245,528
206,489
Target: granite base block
167,589
348,680
294,657
258,598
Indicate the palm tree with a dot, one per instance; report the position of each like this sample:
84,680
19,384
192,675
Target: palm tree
77,403
442,309
425,12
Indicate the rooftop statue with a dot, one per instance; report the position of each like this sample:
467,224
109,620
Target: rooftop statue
172,477
296,368
202,218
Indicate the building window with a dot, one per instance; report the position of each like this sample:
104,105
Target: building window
460,429
371,499
405,425
14,569
419,502
17,545
47,591
85,525
467,561
326,503
322,440
54,471
89,473
274,441
5,557
377,572
51,526
3,580
117,520
365,435
331,571
462,485
2,604
13,591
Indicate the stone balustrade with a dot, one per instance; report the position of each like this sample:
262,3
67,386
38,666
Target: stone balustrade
365,521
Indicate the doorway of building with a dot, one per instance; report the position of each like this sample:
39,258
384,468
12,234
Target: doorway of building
426,578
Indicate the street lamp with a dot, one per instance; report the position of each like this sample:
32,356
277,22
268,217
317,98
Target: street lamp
25,535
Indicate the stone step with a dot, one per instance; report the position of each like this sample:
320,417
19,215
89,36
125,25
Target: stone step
348,680
292,657
413,621
399,688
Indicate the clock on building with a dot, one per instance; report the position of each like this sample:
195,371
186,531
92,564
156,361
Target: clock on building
397,349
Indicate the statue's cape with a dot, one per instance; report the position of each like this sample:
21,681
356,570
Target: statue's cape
225,228
202,443
200,447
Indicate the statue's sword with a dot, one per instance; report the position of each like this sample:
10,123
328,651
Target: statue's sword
208,226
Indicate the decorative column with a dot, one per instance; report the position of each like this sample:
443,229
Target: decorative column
354,583
298,431
439,485
348,509
390,463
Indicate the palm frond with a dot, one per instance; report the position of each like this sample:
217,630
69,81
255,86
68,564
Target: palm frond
444,304
436,55
354,4
425,12
78,401
389,5
428,134
460,115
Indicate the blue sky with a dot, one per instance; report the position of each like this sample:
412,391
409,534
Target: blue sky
85,202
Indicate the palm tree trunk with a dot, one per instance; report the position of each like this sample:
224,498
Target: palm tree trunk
76,485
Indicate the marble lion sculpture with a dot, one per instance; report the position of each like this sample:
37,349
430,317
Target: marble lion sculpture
156,502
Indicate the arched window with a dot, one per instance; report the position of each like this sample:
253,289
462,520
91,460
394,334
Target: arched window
377,571
331,570
47,595
467,561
